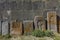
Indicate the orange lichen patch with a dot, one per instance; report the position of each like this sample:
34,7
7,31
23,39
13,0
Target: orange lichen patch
52,22
51,15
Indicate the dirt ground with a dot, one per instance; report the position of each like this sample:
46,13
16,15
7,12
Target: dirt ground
27,38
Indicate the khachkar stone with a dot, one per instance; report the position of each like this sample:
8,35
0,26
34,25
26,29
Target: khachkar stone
52,21
39,23
5,29
28,26
16,28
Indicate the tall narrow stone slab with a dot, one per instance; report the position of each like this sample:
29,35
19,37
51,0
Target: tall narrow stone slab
5,26
58,24
39,23
16,28
0,26
52,21
28,26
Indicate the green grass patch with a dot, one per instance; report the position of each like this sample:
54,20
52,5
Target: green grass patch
40,33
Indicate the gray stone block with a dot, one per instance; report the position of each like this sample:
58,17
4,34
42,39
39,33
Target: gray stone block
5,27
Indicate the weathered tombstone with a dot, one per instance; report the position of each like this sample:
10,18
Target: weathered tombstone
52,21
28,26
58,24
5,29
0,26
39,23
16,28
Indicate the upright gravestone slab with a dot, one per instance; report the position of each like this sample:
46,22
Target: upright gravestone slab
39,23
59,25
28,26
5,27
16,28
0,26
52,21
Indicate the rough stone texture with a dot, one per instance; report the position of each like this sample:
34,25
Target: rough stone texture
5,27
28,26
39,23
52,21
59,26
16,28
0,27
31,7
27,9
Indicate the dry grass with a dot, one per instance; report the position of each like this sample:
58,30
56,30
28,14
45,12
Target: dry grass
25,38
57,37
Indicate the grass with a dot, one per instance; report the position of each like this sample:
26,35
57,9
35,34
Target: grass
56,37
21,38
